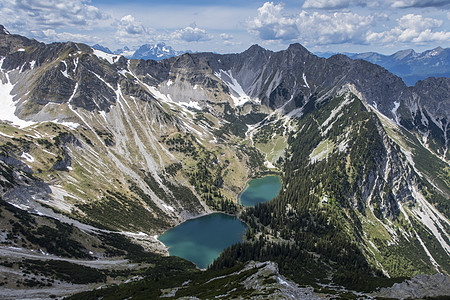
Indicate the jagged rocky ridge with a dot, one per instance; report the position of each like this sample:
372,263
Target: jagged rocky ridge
123,132
262,74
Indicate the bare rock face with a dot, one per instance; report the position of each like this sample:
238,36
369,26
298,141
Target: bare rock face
280,288
419,287
71,73
435,95
434,114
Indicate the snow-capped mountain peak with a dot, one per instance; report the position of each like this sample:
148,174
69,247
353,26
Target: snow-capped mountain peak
157,51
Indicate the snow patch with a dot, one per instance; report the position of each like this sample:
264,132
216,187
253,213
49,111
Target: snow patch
103,114
8,107
193,104
48,152
65,71
74,91
234,85
269,165
394,111
158,95
5,135
111,58
304,80
99,77
28,157
71,125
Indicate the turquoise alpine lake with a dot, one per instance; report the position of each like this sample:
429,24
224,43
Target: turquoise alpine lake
201,240
260,190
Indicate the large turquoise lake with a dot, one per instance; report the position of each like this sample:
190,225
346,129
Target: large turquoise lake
202,239
260,190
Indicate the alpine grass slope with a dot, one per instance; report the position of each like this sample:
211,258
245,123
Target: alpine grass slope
97,149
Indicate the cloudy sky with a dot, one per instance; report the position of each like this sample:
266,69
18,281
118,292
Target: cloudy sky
229,26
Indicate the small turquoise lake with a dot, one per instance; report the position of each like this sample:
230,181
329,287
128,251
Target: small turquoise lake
201,240
260,190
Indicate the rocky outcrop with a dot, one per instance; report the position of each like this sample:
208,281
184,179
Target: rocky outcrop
418,287
278,288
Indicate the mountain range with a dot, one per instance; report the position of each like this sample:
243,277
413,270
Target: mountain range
408,64
100,154
157,51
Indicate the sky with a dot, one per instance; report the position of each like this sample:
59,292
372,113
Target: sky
231,26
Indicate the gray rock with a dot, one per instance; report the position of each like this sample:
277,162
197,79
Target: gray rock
418,287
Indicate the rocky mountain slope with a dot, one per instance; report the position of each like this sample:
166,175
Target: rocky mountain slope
138,146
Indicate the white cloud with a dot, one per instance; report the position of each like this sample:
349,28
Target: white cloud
129,26
191,34
131,31
333,4
52,13
419,3
309,28
336,28
272,24
341,4
411,28
226,36
52,35
229,40
343,27
51,20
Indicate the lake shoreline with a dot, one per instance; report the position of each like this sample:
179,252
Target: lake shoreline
201,239
260,190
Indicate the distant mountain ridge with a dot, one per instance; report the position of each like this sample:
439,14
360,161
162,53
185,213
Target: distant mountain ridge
408,64
157,51
102,48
